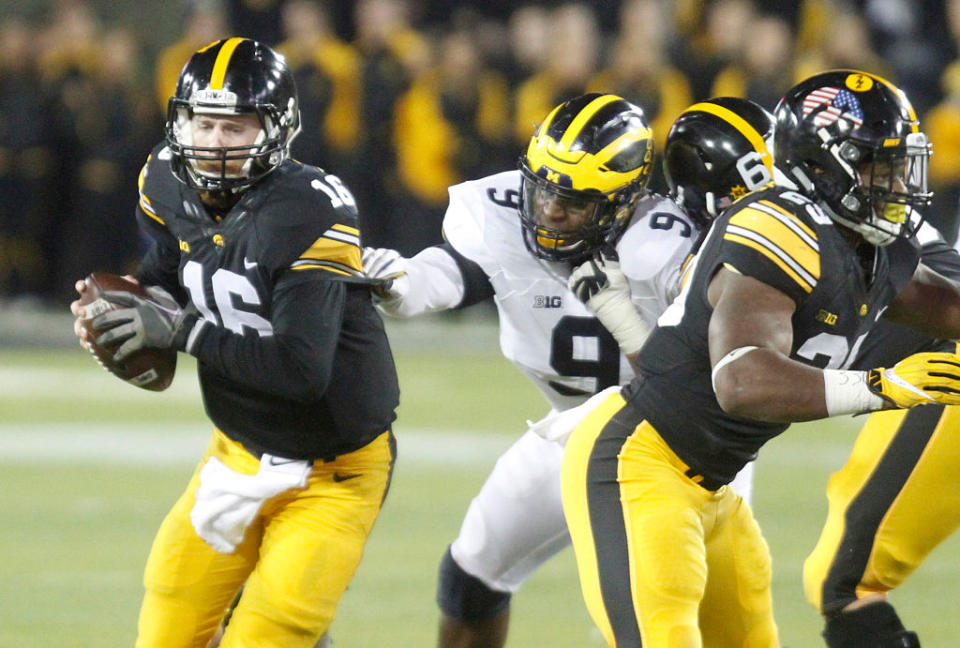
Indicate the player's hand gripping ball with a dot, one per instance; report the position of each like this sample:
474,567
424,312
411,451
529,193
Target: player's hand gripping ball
148,368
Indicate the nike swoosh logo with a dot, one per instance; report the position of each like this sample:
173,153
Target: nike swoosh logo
277,461
248,264
337,477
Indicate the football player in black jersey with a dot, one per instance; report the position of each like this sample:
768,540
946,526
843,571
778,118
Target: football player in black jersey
253,270
894,500
778,300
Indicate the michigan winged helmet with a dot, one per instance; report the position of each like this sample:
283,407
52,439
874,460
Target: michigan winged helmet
592,158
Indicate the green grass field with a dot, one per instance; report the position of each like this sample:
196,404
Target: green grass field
88,467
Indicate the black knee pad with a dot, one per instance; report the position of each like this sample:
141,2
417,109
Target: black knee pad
465,597
875,625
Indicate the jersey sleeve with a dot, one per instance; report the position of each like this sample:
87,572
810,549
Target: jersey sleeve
310,224
769,243
336,251
464,224
439,278
160,264
652,252
936,253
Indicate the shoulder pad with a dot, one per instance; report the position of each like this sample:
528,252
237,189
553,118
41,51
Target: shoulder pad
158,189
312,215
773,236
659,235
483,213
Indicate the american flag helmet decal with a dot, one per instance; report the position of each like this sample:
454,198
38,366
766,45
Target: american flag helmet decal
828,104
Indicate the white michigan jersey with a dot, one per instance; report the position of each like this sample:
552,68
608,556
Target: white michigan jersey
516,522
547,332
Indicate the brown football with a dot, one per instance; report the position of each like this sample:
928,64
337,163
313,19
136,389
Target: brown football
151,369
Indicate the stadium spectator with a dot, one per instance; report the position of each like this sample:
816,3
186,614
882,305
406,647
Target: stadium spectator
294,365
452,124
573,54
261,20
393,54
69,43
716,44
943,125
28,256
326,70
844,43
204,22
764,70
528,30
106,120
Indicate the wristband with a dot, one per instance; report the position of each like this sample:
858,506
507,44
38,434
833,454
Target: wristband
620,317
848,392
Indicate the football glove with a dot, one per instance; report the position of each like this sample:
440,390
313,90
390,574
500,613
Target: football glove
919,379
389,267
601,285
146,322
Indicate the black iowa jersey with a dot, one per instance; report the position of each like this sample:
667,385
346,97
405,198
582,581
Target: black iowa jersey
888,343
293,359
783,239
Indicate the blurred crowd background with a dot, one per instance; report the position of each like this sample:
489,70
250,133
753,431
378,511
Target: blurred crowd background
402,98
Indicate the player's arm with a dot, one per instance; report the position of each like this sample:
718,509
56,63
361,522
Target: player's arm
159,267
161,264
750,336
930,303
296,361
436,279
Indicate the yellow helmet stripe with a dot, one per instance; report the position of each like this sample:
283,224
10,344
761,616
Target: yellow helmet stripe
223,60
742,125
584,116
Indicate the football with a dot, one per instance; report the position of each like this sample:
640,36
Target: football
151,369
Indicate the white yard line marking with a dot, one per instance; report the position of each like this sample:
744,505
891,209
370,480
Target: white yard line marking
172,445
145,444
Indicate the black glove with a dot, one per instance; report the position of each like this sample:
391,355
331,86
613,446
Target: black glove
601,285
147,323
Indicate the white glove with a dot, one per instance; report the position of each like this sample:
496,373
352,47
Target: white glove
389,267
227,501
601,285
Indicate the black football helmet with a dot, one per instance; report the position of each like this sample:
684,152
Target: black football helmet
717,151
232,77
592,154
851,141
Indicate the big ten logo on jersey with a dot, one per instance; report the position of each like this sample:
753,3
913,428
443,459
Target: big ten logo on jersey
547,301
